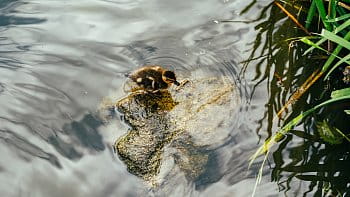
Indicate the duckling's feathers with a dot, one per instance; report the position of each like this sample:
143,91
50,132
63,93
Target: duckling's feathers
147,69
149,77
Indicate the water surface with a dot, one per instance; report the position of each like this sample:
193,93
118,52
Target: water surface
60,59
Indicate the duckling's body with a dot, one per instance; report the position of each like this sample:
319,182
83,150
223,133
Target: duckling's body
153,78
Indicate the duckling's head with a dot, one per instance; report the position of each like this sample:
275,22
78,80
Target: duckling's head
169,77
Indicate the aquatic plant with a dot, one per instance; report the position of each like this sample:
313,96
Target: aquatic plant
333,40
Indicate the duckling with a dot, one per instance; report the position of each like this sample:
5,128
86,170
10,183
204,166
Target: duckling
153,78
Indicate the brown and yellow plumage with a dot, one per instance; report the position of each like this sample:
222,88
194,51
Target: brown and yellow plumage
153,78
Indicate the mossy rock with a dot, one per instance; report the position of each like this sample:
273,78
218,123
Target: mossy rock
176,118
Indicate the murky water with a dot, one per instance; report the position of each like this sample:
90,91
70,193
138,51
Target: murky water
60,59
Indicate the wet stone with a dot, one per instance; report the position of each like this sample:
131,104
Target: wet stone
147,115
189,120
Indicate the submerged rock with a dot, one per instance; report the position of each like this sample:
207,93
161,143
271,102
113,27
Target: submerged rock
141,147
190,120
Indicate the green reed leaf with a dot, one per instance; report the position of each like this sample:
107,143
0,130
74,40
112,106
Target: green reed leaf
314,45
310,14
338,96
331,9
323,14
340,93
337,39
340,18
345,59
336,30
332,55
329,134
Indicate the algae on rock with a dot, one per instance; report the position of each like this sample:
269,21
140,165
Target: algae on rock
188,119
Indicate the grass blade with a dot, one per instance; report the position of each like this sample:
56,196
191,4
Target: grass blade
342,26
314,45
340,93
309,42
329,133
337,39
331,9
310,14
341,133
322,13
259,177
335,52
344,59
336,30
340,18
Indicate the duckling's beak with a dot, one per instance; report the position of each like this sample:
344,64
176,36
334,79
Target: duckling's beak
176,83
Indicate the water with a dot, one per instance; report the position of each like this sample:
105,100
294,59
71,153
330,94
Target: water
60,59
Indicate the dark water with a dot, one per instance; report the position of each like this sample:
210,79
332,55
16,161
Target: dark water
60,59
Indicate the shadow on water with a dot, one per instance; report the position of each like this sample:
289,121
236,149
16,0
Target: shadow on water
323,166
82,133
305,163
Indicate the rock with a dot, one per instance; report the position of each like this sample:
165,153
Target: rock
189,119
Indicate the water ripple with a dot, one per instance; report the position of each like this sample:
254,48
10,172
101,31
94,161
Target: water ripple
59,59
22,144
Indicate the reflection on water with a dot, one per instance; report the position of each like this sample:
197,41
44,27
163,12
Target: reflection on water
313,163
60,59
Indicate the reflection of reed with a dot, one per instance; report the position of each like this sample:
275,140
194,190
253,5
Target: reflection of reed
291,80
272,54
314,162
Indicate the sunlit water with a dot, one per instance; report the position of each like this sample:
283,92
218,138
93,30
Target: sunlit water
60,59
